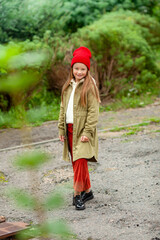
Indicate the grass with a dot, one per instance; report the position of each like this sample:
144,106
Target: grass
43,106
133,131
154,120
129,102
34,116
137,128
49,110
118,129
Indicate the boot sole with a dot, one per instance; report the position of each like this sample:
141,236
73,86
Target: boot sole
79,208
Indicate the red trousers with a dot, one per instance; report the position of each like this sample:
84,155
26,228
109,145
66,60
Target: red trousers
80,166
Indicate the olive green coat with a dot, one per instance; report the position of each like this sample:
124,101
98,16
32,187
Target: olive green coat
84,124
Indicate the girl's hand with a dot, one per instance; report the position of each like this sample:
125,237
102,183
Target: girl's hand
62,138
84,139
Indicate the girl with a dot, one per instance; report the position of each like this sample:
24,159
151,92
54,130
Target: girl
77,123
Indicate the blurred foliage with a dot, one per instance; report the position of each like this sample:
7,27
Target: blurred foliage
57,229
20,74
22,71
123,45
23,84
23,19
31,160
22,198
54,200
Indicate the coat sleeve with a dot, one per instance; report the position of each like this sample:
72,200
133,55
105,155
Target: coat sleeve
61,121
92,115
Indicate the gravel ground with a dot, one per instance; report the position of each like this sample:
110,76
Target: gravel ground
125,181
48,130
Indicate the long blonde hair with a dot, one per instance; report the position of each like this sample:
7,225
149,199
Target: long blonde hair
89,83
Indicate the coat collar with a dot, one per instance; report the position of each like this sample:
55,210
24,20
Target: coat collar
73,81
81,81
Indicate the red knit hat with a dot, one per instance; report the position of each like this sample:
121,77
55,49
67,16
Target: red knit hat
82,55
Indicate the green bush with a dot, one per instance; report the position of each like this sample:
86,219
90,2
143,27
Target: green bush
123,46
35,116
23,19
23,79
79,13
23,59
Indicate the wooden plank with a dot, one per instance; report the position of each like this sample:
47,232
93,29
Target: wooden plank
2,218
8,229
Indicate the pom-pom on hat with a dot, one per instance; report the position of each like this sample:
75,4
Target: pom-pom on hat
82,55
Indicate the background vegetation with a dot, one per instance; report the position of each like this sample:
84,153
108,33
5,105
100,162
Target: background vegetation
124,38
23,19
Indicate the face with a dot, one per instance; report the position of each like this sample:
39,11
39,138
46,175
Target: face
79,71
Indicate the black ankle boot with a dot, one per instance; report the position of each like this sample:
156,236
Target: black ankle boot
81,197
87,196
77,201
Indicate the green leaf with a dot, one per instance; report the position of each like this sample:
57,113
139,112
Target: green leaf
31,159
7,52
29,233
22,198
28,59
56,228
54,200
18,82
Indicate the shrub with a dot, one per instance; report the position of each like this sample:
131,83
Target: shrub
22,19
123,45
19,61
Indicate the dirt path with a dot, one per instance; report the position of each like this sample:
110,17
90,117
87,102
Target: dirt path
126,180
48,130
